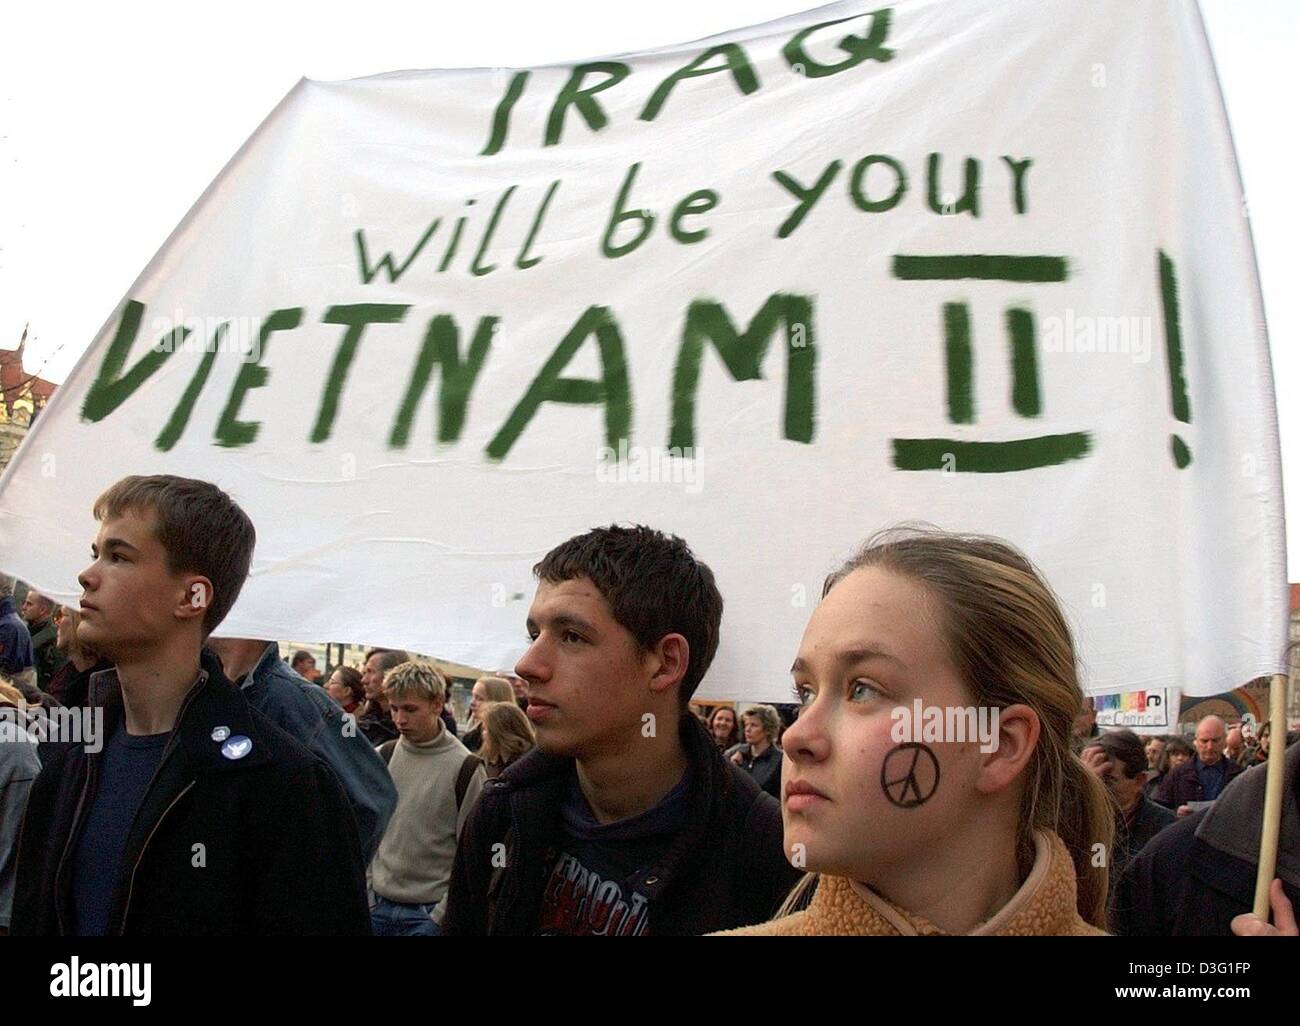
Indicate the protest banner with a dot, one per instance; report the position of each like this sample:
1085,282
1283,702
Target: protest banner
982,264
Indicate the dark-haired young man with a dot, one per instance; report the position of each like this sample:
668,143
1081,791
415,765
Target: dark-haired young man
626,821
199,816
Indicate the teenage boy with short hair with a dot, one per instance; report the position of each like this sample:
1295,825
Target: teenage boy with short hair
199,816
626,820
438,782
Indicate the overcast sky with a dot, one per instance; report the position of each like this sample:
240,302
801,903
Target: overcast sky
114,118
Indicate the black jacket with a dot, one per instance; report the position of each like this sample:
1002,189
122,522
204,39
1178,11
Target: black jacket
1181,887
1182,784
280,852
1131,836
727,867
72,686
1193,877
766,769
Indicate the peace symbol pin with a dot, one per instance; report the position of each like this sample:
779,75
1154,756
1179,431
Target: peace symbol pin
220,733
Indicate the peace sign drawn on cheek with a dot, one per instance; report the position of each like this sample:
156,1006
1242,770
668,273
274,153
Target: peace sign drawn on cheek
909,776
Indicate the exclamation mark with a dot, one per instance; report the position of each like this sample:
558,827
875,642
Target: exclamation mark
1174,349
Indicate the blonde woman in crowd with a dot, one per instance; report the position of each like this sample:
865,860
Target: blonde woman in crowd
485,690
507,734
908,834
759,755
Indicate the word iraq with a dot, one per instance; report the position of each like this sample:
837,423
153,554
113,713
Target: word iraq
930,724
578,95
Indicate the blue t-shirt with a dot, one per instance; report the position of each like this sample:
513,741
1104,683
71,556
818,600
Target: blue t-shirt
1212,778
590,890
126,767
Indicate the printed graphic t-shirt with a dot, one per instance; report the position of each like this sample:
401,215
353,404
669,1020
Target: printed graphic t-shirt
591,889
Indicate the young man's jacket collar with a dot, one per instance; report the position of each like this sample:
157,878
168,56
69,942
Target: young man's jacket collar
276,802
725,868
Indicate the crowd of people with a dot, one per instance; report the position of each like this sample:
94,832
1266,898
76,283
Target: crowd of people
230,792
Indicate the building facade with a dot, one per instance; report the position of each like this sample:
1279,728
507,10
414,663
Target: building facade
22,397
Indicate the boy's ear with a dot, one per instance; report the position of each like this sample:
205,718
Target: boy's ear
198,598
672,656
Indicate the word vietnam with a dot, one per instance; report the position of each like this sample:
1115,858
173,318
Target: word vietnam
742,351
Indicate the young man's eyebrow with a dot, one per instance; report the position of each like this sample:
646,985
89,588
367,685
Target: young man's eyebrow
560,621
116,543
563,620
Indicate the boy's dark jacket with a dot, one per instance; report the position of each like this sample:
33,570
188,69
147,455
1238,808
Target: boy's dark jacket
725,869
280,851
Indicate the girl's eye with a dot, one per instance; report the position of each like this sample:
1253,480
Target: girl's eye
862,691
803,694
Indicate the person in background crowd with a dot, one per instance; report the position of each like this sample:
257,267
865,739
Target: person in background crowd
1260,754
907,838
1234,746
759,755
485,690
438,781
1155,748
1120,762
723,727
1203,777
626,821
1084,730
1197,878
16,654
519,686
374,721
70,684
787,713
1175,752
304,665
107,845
19,765
507,735
345,687
38,611
305,712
